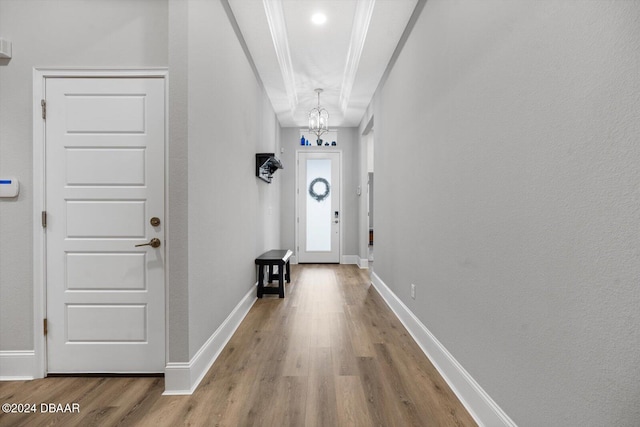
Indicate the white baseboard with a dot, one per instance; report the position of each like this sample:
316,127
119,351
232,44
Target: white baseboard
479,404
349,259
17,365
363,263
183,378
345,259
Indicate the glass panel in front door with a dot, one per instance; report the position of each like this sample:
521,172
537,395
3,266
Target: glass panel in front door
318,205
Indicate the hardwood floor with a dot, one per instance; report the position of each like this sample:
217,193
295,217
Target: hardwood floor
330,354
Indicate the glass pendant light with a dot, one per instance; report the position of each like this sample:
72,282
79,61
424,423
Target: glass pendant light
318,119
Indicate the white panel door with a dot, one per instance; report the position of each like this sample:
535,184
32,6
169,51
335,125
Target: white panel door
319,207
105,142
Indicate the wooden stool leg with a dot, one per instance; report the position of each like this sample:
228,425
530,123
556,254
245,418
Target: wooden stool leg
260,280
288,267
281,280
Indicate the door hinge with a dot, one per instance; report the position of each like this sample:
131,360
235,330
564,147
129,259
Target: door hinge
44,219
44,325
43,104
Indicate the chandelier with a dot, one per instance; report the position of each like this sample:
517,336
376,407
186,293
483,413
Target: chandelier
318,119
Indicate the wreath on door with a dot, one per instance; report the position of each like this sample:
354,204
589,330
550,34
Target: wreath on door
322,195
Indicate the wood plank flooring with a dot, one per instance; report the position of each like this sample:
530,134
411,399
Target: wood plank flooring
330,354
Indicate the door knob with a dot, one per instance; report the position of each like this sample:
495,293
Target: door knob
154,243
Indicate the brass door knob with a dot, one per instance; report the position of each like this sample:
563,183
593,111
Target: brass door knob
154,243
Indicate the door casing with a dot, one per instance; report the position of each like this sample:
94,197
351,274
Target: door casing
39,194
297,200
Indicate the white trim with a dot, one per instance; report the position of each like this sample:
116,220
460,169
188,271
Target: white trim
349,259
361,21
479,404
363,263
39,236
39,202
275,18
183,378
17,365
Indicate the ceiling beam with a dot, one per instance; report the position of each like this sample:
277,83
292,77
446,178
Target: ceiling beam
275,17
361,22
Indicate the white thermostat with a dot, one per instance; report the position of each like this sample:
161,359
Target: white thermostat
9,187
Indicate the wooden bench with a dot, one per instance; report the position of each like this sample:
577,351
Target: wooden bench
279,257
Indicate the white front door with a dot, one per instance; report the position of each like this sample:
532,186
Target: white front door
319,207
105,144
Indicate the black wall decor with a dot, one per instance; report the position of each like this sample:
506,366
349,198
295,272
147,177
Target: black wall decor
266,165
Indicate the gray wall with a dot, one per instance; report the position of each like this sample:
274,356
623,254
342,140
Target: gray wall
507,190
177,236
348,144
232,215
100,33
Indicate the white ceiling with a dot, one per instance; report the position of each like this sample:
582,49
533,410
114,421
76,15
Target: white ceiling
346,56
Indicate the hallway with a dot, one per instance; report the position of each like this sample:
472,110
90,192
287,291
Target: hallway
330,354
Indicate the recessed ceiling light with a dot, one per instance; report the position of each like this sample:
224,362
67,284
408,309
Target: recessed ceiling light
319,18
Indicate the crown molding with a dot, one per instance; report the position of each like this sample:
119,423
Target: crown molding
275,17
361,22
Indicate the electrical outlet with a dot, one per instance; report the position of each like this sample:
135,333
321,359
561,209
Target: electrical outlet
413,291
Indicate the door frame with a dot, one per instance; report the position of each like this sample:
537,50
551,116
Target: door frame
40,74
297,198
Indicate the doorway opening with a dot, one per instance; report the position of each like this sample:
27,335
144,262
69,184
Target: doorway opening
99,169
318,206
